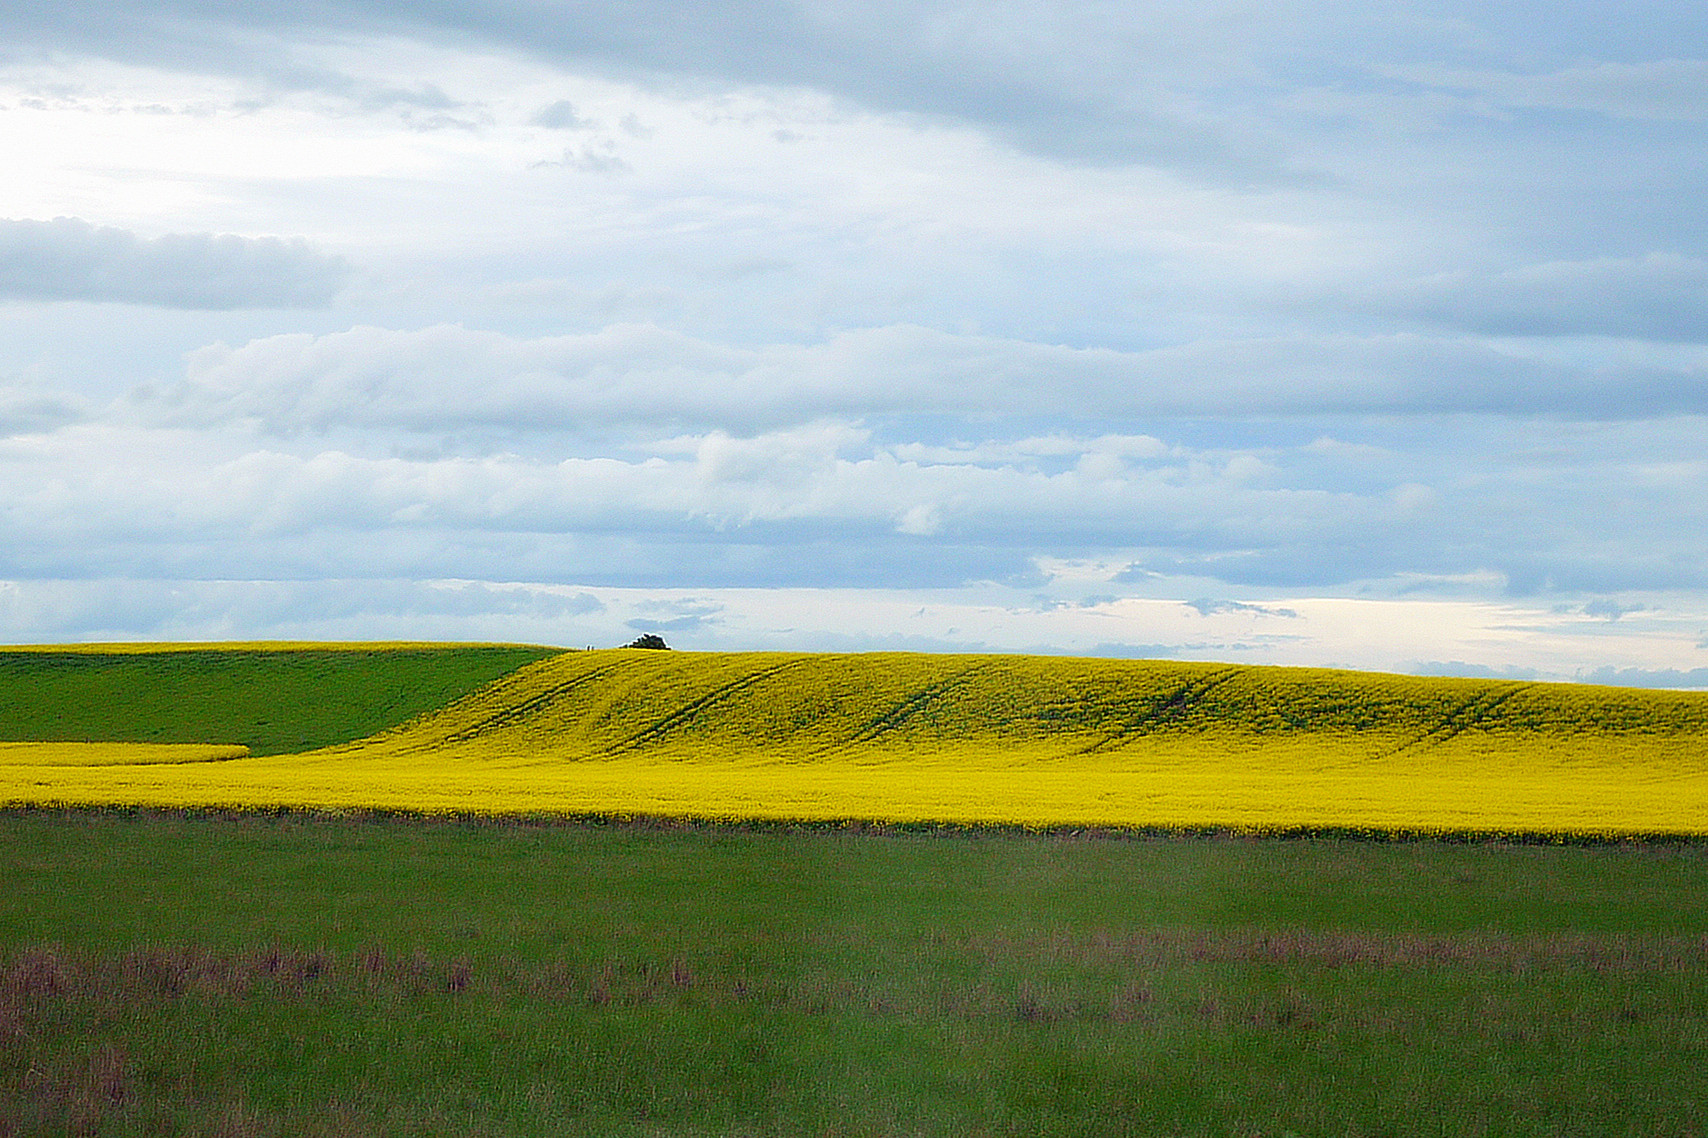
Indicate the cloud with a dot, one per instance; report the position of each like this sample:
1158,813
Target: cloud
674,624
1661,89
1095,84
333,608
69,259
1550,508
590,160
1210,608
1061,448
1647,677
560,115
1203,88
447,377
1659,296
977,617
1441,335
1475,671
1137,651
825,501
1610,609
26,408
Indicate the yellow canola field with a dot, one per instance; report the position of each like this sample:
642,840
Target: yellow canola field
986,740
1163,788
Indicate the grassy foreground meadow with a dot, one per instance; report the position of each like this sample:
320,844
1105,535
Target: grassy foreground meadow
208,926
895,737
252,975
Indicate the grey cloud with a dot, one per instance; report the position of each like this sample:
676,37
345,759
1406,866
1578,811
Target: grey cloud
688,607
1660,296
817,640
1137,651
822,497
684,616
69,259
1209,607
1610,609
1665,89
477,598
560,115
591,160
1533,572
675,624
1563,201
1647,677
192,609
426,97
1475,671
27,408
1322,557
834,503
1085,82
1190,85
422,108
447,377
1207,89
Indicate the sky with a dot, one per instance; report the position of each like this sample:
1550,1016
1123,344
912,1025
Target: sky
1361,335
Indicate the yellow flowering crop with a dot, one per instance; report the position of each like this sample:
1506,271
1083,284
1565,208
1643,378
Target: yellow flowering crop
985,739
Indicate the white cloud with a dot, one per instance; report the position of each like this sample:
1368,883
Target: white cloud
1571,508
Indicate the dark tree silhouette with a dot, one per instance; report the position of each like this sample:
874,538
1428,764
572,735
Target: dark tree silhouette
650,640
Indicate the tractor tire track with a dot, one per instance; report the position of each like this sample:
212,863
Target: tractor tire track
512,714
1173,708
1473,711
906,709
689,710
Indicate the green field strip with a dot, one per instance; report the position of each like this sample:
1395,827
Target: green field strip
155,647
274,698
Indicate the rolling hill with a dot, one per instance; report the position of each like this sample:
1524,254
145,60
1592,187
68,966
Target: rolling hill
965,739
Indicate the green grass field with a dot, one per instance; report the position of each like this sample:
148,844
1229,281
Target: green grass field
247,975
274,699
281,974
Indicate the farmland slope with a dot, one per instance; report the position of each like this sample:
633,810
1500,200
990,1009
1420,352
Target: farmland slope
796,706
1035,740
